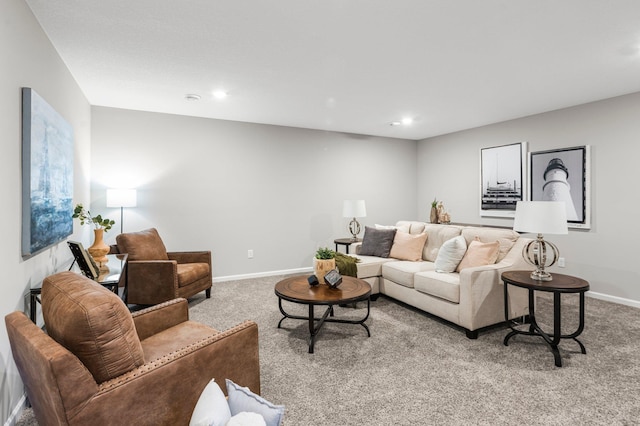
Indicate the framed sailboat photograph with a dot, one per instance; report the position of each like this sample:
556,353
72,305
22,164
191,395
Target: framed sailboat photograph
502,179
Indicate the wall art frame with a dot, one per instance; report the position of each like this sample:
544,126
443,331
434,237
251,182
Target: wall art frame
502,179
47,175
564,174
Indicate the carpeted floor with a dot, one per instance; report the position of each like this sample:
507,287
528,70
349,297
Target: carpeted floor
415,370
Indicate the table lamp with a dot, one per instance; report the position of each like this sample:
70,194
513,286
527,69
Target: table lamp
121,198
541,217
354,209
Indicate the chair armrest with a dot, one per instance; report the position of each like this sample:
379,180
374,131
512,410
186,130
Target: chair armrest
54,378
160,317
168,388
190,256
152,281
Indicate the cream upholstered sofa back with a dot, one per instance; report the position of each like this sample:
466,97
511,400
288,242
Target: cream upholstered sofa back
439,233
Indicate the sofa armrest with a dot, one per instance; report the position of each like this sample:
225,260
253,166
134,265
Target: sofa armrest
355,247
160,317
231,354
190,256
482,291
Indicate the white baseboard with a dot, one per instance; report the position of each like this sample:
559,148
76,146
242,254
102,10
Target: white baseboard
614,299
17,411
262,274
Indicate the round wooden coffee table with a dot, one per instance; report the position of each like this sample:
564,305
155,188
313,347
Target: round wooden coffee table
297,290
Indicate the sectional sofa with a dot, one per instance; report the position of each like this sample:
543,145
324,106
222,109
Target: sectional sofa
471,297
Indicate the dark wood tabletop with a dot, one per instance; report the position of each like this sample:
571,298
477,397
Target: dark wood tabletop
297,289
349,240
560,283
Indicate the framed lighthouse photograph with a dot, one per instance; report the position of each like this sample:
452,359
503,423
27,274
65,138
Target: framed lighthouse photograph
563,175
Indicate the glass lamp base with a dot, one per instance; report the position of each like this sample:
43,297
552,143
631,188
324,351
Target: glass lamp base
354,228
541,275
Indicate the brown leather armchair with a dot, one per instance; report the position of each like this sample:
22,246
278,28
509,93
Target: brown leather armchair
99,364
155,275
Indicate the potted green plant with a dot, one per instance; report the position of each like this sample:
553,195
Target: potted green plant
99,248
323,262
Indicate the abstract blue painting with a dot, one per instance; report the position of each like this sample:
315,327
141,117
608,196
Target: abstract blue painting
47,175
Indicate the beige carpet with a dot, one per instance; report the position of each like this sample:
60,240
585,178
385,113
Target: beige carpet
415,370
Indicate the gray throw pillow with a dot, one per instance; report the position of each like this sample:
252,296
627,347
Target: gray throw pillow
377,242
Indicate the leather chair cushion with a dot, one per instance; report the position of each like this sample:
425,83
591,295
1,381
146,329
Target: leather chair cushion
92,323
143,245
191,272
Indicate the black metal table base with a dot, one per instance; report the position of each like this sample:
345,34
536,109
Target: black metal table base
552,340
326,317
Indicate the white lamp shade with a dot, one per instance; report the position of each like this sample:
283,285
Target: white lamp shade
121,198
354,208
541,217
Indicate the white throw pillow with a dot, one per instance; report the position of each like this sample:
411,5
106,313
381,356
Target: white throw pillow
246,419
450,254
212,408
242,399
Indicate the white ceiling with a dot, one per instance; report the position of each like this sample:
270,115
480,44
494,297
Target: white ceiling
349,65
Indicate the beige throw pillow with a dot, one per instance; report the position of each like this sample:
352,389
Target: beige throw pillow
408,246
479,254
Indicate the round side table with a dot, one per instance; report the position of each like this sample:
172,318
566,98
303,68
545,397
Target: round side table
559,285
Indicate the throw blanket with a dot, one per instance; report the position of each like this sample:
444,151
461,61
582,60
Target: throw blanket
347,264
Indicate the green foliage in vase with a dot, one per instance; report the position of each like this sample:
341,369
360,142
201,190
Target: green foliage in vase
325,253
85,217
434,203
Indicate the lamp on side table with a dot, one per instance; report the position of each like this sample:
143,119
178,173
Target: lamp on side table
541,217
354,209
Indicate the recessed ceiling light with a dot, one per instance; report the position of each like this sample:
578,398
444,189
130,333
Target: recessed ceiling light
220,94
192,97
406,121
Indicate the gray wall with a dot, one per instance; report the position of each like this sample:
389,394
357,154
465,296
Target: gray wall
29,60
229,187
606,255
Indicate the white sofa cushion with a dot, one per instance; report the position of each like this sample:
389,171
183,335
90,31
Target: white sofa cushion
370,266
444,286
437,235
403,271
